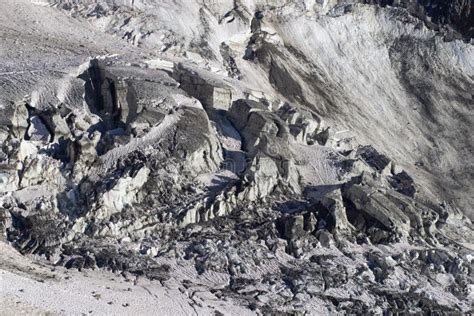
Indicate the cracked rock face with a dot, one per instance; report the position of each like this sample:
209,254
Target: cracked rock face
283,156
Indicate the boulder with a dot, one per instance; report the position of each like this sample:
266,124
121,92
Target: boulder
37,168
240,110
294,227
263,176
160,64
87,148
422,218
195,142
125,191
377,206
325,238
213,95
334,204
373,158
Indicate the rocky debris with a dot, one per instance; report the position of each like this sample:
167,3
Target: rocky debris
266,140
231,160
229,61
284,69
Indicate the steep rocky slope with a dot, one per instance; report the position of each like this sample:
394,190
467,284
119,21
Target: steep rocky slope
285,155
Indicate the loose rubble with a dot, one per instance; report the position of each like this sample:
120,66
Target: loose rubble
150,168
